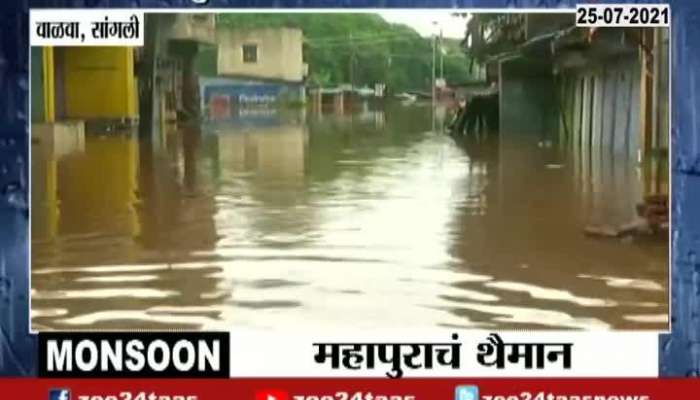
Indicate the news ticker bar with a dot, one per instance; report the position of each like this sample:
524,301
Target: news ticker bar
352,389
253,353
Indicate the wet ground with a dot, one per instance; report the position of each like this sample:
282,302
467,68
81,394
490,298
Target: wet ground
369,220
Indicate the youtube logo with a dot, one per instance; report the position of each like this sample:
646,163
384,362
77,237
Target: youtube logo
271,395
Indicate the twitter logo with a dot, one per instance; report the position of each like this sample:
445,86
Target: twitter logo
467,392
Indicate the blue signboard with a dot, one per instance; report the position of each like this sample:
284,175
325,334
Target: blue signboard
240,94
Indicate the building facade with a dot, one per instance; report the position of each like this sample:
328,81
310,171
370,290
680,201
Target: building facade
265,53
255,67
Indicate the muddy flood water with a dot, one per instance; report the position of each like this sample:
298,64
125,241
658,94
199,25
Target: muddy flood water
367,220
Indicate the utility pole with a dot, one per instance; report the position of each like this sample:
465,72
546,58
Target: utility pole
432,81
442,57
352,62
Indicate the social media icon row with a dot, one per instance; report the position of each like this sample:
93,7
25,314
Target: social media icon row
465,392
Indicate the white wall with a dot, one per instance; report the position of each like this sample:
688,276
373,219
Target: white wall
279,53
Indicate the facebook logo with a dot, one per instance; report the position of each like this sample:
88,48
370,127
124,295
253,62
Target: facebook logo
467,392
59,394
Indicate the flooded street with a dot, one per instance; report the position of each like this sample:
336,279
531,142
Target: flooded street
364,220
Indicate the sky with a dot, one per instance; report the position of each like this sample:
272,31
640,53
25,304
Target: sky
422,21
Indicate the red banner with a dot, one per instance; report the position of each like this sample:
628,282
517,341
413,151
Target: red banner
352,389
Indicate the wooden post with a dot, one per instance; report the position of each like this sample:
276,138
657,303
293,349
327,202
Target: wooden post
646,91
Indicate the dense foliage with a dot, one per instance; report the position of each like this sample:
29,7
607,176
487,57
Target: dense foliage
360,48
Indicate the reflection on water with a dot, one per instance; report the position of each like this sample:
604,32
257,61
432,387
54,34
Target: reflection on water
365,220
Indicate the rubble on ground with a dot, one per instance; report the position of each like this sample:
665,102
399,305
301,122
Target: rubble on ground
652,218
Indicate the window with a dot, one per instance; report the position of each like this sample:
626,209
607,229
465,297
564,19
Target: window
250,53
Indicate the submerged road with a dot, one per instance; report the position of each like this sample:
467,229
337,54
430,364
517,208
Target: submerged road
370,220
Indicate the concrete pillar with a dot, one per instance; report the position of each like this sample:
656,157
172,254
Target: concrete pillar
99,83
185,52
316,100
42,96
149,101
338,103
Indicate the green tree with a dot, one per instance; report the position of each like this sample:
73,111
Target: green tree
364,45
